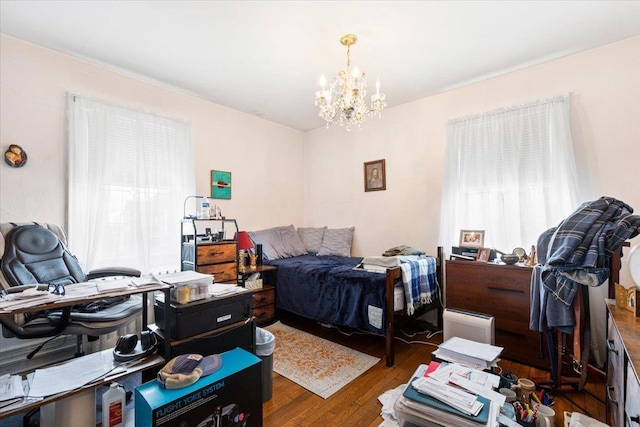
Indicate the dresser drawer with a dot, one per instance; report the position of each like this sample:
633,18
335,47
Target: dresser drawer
615,396
264,297
225,272
615,348
216,253
632,404
501,291
264,313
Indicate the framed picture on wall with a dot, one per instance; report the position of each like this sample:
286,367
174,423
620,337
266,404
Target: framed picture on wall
472,238
220,184
375,177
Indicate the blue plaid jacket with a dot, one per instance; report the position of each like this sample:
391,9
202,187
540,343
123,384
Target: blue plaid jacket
577,252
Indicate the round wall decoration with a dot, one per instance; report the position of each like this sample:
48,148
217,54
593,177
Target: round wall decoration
15,156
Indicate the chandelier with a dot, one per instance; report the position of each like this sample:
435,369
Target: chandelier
343,101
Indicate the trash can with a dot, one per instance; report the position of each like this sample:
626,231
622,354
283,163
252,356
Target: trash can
265,343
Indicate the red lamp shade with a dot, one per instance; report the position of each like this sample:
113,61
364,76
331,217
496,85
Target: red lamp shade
244,242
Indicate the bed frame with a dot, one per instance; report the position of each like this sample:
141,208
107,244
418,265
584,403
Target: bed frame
396,319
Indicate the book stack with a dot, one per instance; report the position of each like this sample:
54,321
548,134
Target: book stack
450,394
469,353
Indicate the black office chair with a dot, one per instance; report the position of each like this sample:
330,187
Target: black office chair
35,253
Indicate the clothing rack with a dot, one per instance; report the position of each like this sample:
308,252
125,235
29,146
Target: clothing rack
570,362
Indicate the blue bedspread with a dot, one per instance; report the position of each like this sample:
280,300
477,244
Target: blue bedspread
328,289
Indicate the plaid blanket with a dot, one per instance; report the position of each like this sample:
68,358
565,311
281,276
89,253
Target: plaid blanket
577,252
420,282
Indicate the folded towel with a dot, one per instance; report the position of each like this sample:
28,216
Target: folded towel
389,261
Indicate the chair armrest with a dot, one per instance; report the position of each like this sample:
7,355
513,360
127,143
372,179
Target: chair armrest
113,271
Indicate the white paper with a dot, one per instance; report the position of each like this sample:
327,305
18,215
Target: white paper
70,375
482,351
10,387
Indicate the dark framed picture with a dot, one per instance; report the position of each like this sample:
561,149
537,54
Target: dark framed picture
220,184
375,177
483,254
472,238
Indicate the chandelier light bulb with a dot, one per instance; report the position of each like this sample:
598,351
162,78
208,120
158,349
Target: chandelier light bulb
341,100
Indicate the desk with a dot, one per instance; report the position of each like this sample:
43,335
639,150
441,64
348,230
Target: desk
27,405
79,298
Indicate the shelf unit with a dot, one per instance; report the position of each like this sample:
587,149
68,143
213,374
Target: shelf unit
203,252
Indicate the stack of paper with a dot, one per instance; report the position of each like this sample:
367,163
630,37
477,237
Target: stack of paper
10,389
469,353
451,394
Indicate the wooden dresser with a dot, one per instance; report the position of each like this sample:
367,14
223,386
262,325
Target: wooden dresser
623,366
219,259
503,292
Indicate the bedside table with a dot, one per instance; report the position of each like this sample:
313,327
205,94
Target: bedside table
264,299
264,304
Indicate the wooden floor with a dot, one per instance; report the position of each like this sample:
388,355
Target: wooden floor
357,403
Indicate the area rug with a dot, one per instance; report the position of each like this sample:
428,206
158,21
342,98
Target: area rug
320,366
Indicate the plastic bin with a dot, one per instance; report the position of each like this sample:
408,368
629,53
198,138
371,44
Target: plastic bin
265,343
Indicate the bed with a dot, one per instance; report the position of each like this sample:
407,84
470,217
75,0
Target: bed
332,287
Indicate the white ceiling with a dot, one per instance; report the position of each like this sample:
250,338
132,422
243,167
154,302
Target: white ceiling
265,57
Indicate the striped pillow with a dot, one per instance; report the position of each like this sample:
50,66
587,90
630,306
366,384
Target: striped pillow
311,238
337,241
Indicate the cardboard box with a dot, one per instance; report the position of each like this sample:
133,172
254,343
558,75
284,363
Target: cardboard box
231,397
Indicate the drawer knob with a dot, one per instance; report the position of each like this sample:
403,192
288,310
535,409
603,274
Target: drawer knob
635,419
610,347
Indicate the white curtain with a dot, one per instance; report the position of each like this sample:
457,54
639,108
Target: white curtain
510,172
129,173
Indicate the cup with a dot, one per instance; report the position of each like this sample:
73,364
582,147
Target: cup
508,380
510,395
545,417
523,388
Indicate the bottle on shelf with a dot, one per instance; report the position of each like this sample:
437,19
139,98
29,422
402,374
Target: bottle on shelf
204,208
113,402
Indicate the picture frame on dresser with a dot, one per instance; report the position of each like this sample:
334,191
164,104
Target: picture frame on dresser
471,238
484,254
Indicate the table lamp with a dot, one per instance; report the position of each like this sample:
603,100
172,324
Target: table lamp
244,244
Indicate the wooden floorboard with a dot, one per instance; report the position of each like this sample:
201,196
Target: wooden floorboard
357,403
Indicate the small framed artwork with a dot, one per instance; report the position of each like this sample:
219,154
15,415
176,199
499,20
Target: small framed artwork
633,296
483,254
220,184
375,177
472,238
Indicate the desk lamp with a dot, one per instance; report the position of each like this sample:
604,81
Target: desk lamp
244,244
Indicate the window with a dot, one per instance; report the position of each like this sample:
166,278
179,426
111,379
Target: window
510,172
129,173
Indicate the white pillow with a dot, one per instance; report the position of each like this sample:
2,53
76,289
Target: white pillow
337,241
311,238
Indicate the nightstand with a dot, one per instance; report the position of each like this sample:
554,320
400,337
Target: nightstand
264,299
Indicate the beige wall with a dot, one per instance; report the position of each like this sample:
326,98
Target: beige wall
320,181
605,94
34,82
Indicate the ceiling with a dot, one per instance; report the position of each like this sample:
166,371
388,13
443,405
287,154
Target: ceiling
266,57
